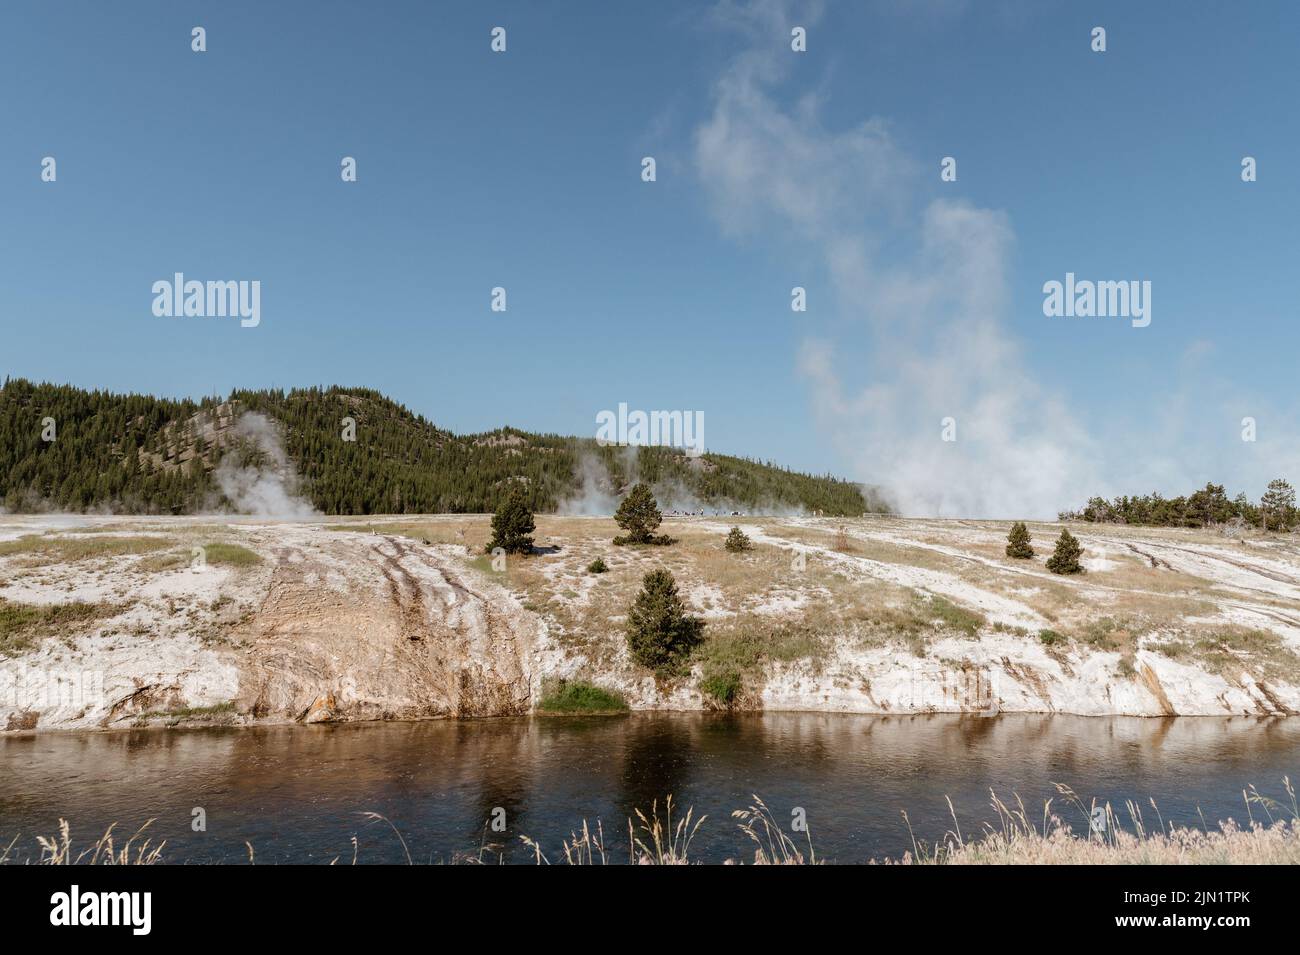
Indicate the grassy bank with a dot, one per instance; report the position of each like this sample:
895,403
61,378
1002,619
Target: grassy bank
1128,836
563,697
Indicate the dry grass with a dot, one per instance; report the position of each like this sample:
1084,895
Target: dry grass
585,849
234,555
772,845
1115,838
734,591
652,840
661,842
1135,574
23,626
831,599
843,540
138,849
162,563
1016,838
472,531
1229,648
43,549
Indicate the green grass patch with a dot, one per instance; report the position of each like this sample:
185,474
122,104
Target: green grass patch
1114,633
1173,649
1232,647
1100,632
913,619
1011,629
574,696
233,554
658,540
23,625
161,563
722,686
952,617
53,549
746,645
217,711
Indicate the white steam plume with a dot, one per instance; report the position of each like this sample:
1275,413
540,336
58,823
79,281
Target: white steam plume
928,285
596,495
264,491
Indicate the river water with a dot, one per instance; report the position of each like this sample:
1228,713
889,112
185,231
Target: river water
297,793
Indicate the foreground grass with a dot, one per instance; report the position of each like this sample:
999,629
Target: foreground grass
138,849
664,837
1115,838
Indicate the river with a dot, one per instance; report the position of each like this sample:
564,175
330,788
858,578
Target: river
297,793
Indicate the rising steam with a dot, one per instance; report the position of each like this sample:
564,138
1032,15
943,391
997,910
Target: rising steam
263,483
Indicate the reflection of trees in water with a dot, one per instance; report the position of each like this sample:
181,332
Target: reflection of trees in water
437,782
657,761
807,740
974,729
296,792
503,760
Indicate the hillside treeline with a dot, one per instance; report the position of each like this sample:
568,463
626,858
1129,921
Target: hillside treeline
133,453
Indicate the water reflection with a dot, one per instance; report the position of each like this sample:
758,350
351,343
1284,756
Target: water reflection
297,792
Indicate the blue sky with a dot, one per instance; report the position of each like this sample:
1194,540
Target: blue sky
522,169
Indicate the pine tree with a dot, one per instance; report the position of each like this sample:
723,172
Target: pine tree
1018,541
638,514
1065,559
399,462
512,525
660,634
738,541
1277,506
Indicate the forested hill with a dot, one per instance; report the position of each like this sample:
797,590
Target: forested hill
66,448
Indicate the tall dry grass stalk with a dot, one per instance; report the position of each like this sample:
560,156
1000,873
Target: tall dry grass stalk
668,844
57,850
1122,837
774,847
1109,837
587,849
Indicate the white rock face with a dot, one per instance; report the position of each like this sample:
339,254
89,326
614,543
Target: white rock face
1015,679
336,625
98,681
